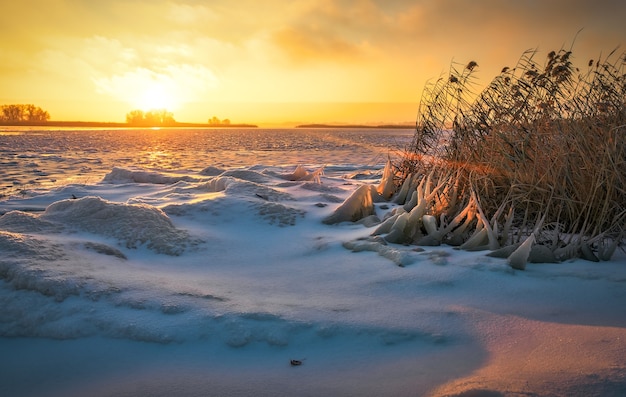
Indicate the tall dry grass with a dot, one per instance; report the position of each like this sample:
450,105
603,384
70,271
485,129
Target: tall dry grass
541,150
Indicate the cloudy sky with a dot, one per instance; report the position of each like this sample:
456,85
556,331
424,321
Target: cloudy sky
271,62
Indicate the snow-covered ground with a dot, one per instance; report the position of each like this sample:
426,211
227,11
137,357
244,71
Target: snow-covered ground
208,283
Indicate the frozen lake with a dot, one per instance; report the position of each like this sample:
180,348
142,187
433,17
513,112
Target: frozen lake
196,263
34,158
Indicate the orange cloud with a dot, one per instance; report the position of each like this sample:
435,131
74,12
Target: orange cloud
311,44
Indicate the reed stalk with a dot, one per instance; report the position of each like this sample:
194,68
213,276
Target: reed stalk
545,141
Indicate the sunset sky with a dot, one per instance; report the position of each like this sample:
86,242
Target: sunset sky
275,62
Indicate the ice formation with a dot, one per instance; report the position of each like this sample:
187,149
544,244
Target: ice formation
519,257
359,205
399,257
301,174
426,211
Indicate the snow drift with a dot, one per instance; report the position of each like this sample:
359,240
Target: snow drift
128,175
132,224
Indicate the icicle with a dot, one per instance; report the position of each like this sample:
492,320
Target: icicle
504,252
386,226
397,233
456,237
316,176
415,220
504,237
606,251
493,240
428,185
386,186
478,239
541,254
359,205
430,224
587,253
408,206
453,197
301,174
519,257
432,237
456,221
404,190
569,251
415,181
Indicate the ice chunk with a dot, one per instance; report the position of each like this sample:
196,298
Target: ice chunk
301,174
541,254
387,188
519,257
359,205
400,258
386,226
398,233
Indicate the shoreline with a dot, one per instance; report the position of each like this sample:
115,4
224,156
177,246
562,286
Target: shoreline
101,124
107,124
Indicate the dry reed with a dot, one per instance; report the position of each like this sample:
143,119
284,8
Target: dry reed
540,152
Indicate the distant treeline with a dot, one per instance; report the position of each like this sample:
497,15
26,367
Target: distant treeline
152,118
103,124
164,118
31,115
23,113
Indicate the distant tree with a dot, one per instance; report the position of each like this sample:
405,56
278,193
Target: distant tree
23,113
215,121
11,113
159,116
135,117
34,113
151,118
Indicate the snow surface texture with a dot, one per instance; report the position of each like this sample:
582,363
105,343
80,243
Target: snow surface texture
210,283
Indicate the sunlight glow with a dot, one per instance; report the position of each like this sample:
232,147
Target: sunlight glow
145,89
201,59
155,97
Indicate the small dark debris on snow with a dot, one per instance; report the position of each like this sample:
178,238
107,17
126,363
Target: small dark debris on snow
295,363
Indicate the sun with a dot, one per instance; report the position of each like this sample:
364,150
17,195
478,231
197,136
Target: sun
156,96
